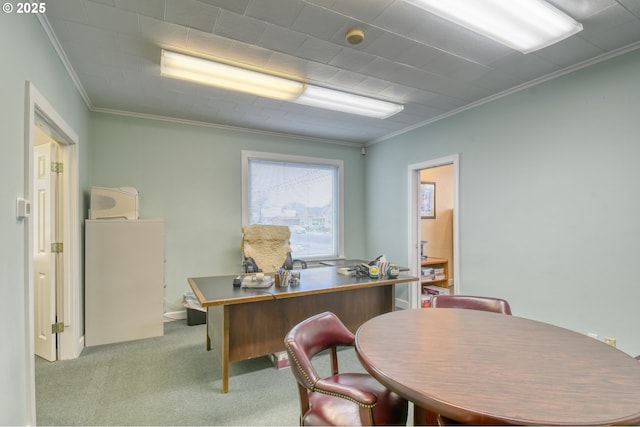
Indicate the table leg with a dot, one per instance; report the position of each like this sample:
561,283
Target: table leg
225,377
218,339
224,354
424,417
207,332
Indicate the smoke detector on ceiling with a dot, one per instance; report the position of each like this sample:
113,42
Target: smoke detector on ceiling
355,36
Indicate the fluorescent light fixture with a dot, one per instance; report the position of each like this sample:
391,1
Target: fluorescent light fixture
204,71
185,67
330,99
524,25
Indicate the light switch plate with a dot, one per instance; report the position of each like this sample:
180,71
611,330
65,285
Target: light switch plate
23,208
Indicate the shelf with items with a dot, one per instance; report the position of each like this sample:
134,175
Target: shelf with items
435,271
434,279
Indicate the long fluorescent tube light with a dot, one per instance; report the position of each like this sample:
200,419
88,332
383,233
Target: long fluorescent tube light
330,99
204,71
179,66
524,25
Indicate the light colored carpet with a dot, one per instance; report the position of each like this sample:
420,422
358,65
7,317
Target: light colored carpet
169,380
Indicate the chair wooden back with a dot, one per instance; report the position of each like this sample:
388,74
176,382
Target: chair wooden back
496,305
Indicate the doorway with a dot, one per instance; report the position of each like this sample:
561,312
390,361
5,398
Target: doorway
433,226
66,300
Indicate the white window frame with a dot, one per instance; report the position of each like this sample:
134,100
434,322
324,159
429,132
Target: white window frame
277,157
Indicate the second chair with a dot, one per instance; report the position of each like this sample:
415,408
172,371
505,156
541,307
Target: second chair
342,398
496,305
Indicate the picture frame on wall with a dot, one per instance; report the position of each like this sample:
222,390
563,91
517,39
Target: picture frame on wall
428,200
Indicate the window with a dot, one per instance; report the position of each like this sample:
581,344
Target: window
304,193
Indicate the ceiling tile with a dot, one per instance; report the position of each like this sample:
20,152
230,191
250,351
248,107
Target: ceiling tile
569,51
525,67
606,27
80,33
318,72
69,10
382,69
135,46
318,50
278,12
418,55
351,59
112,19
346,80
318,22
281,39
633,6
152,9
163,34
239,27
456,68
191,14
627,33
363,11
372,85
582,9
389,46
211,44
237,6
400,18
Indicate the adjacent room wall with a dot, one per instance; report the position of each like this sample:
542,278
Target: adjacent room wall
438,231
190,176
549,185
27,55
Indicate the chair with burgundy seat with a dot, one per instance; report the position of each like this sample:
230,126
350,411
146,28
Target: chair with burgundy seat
342,398
495,305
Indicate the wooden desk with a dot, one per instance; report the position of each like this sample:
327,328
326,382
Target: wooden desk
485,368
246,323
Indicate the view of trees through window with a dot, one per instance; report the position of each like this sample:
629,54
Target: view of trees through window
302,196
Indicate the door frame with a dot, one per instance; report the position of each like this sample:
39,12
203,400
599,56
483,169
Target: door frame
414,222
70,342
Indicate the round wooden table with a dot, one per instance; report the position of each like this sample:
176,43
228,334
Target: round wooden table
478,367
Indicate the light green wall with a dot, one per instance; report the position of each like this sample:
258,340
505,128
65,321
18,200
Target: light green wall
549,198
27,55
549,189
190,176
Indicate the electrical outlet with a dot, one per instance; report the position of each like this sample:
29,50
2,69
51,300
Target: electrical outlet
610,341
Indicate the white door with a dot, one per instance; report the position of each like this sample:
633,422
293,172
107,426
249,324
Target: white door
44,275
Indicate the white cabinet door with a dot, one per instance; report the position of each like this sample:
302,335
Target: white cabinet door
124,280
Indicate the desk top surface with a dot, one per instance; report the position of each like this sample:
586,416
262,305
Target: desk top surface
486,368
219,290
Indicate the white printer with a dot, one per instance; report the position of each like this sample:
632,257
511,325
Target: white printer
113,203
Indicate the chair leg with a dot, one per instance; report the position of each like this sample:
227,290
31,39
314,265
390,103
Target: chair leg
366,416
334,361
304,401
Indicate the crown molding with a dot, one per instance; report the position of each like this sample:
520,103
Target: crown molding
223,127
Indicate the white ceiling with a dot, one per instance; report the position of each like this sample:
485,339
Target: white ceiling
112,49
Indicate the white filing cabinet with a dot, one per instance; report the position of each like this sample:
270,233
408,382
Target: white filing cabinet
124,280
